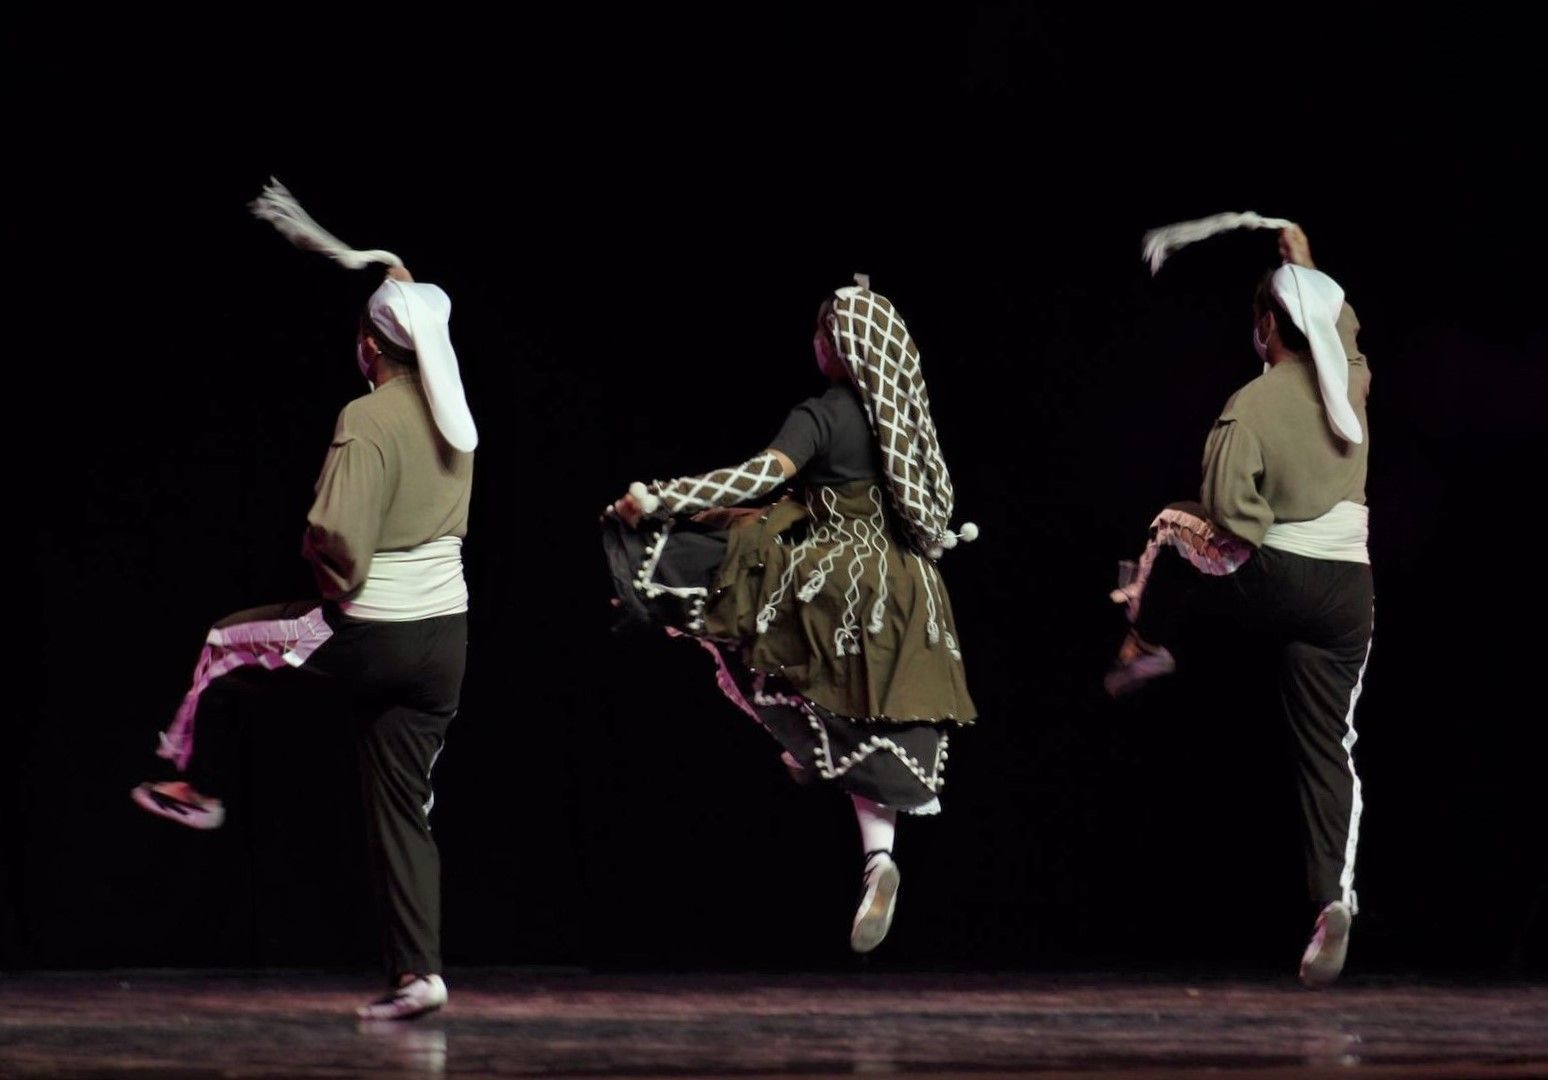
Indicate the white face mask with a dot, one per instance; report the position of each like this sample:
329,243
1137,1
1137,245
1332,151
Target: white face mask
362,363
1259,344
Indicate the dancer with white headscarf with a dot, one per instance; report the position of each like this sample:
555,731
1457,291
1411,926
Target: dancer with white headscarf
827,618
1277,545
384,537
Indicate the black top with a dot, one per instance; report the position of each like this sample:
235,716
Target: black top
828,438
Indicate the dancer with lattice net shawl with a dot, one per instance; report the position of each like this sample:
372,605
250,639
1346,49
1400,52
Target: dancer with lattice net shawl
1276,546
824,611
389,630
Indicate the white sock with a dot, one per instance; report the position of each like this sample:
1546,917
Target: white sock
877,824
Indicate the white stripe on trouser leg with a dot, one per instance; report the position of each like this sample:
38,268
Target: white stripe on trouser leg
430,802
1346,879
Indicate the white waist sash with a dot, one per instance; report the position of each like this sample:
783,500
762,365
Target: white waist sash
405,586
1339,535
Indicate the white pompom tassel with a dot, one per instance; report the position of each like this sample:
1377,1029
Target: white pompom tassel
967,534
643,498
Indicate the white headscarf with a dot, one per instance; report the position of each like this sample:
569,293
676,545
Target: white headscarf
883,363
417,316
1313,301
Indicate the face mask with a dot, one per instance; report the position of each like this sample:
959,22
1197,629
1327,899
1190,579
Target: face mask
1259,344
828,361
362,362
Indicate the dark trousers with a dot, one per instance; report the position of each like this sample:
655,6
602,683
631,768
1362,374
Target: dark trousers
399,683
1317,613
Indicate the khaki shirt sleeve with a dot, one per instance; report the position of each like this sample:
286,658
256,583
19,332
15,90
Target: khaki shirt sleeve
346,517
1360,373
1233,468
1348,326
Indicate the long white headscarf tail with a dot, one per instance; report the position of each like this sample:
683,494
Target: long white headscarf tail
1313,301
1161,243
279,208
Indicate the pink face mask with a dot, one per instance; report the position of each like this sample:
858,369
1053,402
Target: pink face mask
827,355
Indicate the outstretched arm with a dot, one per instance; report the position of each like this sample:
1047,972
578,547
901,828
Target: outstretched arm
722,487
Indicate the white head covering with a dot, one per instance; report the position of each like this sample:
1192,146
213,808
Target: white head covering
417,316
1313,301
883,364
412,315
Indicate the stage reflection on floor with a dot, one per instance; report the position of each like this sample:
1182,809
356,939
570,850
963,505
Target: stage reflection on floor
184,1025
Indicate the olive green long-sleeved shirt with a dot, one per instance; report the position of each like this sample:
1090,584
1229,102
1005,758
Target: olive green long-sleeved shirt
1272,456
389,483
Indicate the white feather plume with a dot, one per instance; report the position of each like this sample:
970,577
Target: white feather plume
279,208
1161,243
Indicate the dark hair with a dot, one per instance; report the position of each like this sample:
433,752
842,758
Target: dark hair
389,348
1263,300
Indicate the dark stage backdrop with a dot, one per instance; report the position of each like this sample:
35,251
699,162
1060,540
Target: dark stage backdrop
636,223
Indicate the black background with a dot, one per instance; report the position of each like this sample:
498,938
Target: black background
636,218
